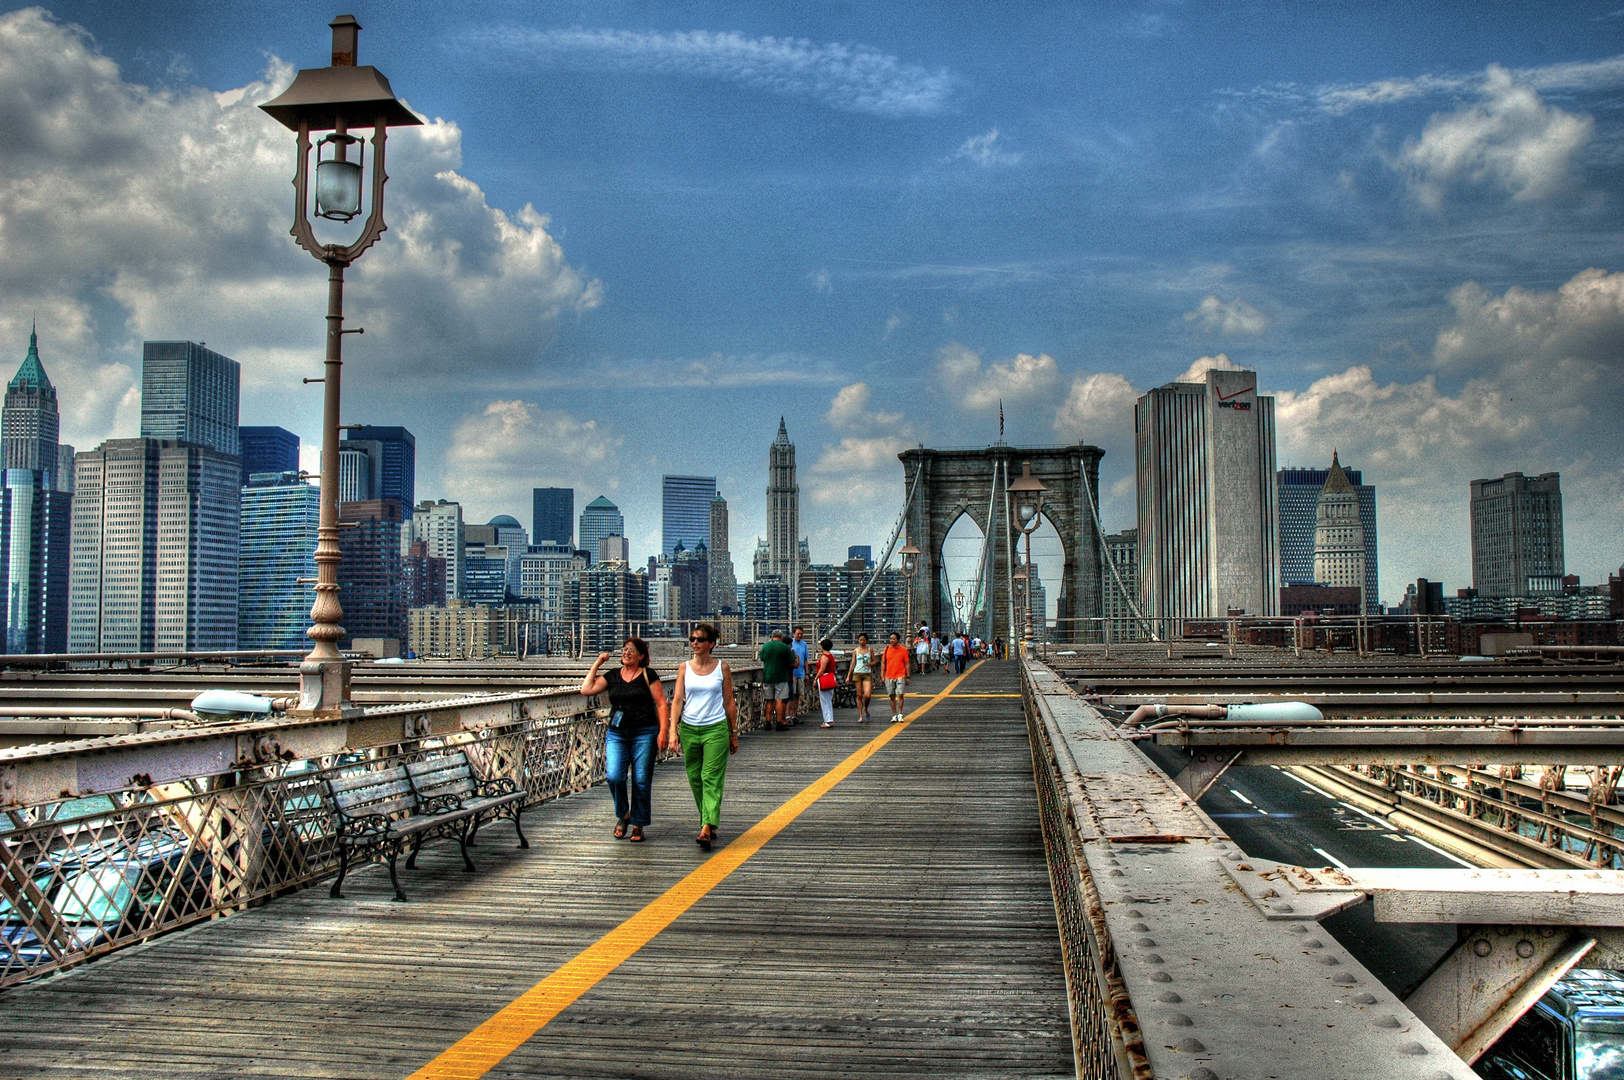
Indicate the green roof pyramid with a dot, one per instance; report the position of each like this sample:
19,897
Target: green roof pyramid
32,373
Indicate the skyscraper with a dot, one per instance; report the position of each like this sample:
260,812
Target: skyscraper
601,518
267,450
1517,543
279,517
438,525
1117,600
29,423
783,510
36,526
553,512
606,602
155,544
189,394
723,585
1297,493
685,512
1339,535
370,577
388,469
1204,470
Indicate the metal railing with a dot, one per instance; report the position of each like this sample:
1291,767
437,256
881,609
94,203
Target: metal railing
82,877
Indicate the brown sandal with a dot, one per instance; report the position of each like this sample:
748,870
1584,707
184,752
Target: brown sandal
636,835
620,830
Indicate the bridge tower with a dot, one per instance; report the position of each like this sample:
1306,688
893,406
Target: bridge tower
955,482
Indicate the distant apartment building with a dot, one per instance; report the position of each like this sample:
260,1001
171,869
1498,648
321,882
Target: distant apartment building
438,525
685,508
155,545
189,394
36,544
1204,469
766,604
267,450
457,631
485,574
600,518
510,534
605,604
422,577
1297,492
613,549
379,462
1119,591
1517,543
553,516
827,592
690,573
371,581
280,513
723,585
543,570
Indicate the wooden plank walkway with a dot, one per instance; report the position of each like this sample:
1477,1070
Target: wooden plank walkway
902,925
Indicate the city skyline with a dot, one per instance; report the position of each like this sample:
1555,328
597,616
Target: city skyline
1408,227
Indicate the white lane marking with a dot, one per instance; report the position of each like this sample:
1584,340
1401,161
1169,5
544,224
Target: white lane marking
1383,823
1332,859
1306,784
1445,854
1395,837
1241,797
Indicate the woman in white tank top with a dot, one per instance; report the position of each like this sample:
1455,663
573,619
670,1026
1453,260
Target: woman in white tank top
707,727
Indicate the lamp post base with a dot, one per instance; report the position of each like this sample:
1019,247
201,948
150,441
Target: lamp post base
324,686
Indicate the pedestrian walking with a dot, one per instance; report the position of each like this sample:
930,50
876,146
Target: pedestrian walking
960,646
638,723
797,677
860,673
777,662
894,666
922,652
826,681
706,720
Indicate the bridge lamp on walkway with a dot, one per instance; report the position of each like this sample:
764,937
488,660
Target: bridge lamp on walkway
334,99
910,565
1028,494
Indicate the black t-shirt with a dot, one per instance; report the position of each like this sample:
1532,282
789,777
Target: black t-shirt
634,699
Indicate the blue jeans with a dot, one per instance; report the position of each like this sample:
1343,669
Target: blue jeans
636,751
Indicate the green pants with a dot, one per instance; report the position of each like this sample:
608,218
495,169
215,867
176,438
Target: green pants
705,752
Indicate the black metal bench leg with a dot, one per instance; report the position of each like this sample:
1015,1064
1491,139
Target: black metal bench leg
462,843
472,829
518,829
343,868
394,880
411,860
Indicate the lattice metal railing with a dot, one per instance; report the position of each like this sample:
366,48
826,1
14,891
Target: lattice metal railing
1106,1041
80,878
1584,824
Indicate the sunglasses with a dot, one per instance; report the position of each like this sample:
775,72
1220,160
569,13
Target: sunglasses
698,639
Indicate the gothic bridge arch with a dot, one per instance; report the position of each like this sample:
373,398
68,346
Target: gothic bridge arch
954,482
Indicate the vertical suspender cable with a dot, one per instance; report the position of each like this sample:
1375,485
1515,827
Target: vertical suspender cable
879,565
1116,574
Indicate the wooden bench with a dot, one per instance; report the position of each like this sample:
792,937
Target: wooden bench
384,812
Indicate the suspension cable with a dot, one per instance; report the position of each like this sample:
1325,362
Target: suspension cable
1116,574
879,564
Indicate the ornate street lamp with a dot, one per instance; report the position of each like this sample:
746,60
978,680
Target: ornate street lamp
334,99
958,609
1028,492
910,564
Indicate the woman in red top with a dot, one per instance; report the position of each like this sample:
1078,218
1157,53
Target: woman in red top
826,680
894,667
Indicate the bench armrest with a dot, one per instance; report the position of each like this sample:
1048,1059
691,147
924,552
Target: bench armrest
502,785
362,826
430,805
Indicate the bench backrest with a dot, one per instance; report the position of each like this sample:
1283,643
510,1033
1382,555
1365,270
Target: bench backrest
382,791
443,774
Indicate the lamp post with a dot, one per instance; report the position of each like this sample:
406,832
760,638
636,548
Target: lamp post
332,99
1028,492
910,564
958,609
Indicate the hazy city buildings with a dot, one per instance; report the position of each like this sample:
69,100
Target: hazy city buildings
279,517
371,584
685,507
1205,473
553,519
723,585
613,548
1297,494
438,526
189,394
599,519
543,570
155,547
1119,591
1339,536
267,450
379,463
605,603
457,631
422,575
827,592
1517,543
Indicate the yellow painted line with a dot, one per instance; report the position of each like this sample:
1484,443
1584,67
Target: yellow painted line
483,1048
961,697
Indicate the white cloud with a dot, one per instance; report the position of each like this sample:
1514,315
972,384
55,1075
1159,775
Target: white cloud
1579,75
1099,410
128,213
978,386
1197,371
497,456
820,281
1216,316
853,78
850,412
984,151
1511,141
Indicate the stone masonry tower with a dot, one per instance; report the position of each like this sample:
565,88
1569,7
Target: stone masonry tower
783,511
1339,534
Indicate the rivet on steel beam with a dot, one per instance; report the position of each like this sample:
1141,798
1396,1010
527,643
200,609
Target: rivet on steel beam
1148,943
1345,978
1152,958
1170,997
1525,948
1201,1072
1328,961
1192,1046
1363,999
1180,1020
1386,1022
1482,946
1414,1049
1160,976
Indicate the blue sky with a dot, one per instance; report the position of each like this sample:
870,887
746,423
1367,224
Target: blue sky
636,234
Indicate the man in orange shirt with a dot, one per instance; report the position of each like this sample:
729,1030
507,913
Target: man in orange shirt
894,668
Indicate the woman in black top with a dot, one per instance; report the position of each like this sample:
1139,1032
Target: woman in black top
638,723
